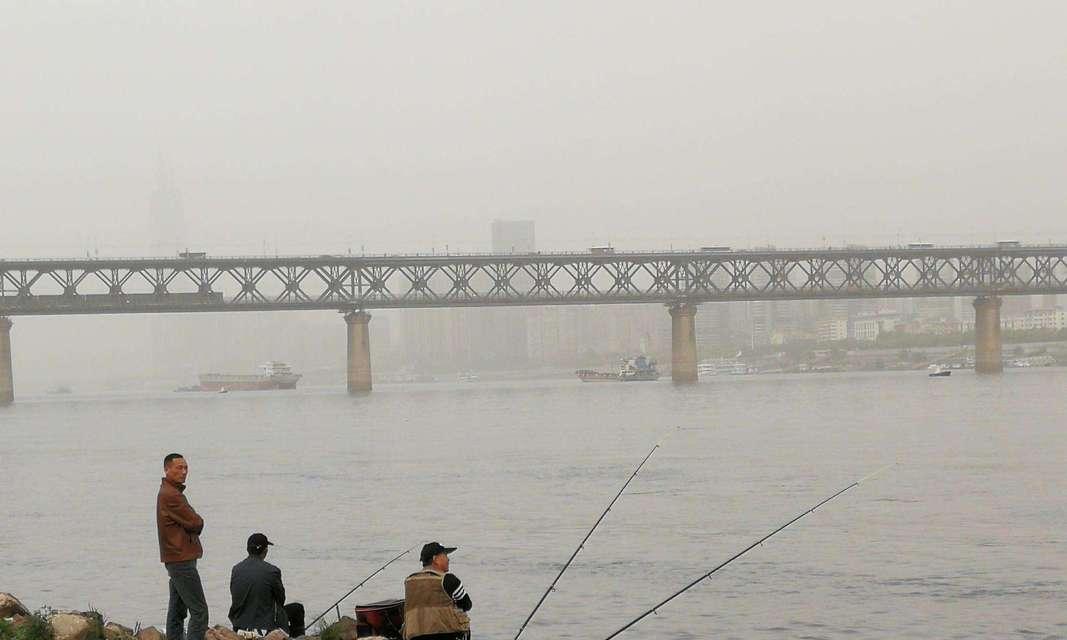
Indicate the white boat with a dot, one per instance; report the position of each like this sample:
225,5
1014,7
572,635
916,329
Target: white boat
722,367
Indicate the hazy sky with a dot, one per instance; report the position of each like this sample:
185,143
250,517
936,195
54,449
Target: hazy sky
312,127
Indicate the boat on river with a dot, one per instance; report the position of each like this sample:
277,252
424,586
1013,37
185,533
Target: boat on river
636,369
276,375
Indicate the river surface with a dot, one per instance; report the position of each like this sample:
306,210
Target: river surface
965,538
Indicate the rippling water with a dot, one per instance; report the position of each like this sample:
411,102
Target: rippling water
966,538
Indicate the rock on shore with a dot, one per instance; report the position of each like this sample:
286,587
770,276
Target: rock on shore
72,626
11,607
75,625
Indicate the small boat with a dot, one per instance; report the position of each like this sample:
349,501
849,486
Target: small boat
937,372
224,390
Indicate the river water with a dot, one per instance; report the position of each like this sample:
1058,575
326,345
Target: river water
964,538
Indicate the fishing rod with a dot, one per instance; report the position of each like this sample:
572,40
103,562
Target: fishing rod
352,590
738,555
582,543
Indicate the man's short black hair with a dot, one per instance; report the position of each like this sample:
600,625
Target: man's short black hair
170,456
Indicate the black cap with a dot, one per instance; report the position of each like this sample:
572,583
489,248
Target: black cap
431,549
257,542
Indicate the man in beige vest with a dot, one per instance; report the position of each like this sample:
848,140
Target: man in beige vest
435,602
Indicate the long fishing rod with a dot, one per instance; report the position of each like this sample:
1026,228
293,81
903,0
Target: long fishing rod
582,543
353,589
743,552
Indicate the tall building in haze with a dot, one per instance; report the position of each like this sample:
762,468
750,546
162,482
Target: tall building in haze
513,236
166,221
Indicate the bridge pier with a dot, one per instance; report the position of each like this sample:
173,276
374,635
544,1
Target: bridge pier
7,378
359,373
987,356
683,342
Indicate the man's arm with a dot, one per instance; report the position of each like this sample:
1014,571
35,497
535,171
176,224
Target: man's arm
179,510
237,599
277,589
454,589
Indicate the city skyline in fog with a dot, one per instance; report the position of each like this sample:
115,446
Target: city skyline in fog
394,128
385,127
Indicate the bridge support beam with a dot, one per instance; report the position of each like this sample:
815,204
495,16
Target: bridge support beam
683,342
359,374
7,378
987,357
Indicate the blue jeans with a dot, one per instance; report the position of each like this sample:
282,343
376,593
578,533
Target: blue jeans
186,595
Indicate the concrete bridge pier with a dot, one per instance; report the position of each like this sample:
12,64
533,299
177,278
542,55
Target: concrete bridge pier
359,374
7,378
987,357
683,342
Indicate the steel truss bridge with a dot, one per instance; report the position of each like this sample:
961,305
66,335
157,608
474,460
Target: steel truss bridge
339,282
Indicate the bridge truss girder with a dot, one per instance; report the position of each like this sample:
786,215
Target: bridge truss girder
167,285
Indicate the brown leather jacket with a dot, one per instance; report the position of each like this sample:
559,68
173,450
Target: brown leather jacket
178,525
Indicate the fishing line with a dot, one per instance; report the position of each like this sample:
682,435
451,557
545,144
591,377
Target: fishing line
581,544
744,551
353,589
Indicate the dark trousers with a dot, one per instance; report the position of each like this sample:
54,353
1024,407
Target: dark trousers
186,596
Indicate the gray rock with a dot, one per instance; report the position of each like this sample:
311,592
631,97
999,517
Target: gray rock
71,626
115,631
345,629
11,607
219,632
150,633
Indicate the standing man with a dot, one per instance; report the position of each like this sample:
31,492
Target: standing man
256,591
179,527
435,602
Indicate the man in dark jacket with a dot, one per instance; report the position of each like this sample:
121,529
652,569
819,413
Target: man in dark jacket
257,592
178,527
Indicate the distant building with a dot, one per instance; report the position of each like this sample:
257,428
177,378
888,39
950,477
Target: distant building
713,325
759,323
513,236
1050,319
832,330
167,232
865,329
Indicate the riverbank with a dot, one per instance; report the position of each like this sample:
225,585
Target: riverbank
19,623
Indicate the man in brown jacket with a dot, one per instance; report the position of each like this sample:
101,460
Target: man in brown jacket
179,528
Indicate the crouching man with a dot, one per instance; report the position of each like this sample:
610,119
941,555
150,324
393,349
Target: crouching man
435,602
258,595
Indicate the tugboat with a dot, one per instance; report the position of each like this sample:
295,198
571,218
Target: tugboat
637,369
